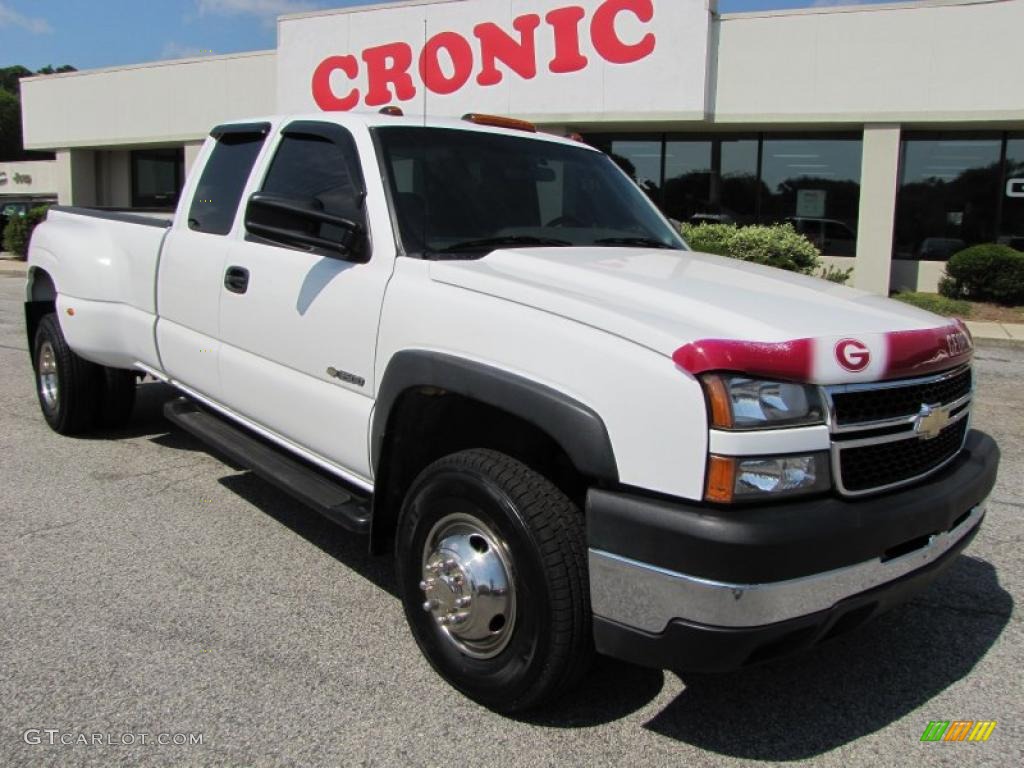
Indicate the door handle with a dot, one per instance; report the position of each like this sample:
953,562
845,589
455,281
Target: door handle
236,279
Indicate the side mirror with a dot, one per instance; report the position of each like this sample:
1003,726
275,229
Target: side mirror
297,222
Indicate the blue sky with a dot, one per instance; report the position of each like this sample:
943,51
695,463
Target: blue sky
102,33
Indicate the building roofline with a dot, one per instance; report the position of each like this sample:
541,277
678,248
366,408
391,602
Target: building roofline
905,5
152,64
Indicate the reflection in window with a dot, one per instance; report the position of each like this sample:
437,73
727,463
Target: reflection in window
949,188
711,180
157,177
1011,231
814,184
641,160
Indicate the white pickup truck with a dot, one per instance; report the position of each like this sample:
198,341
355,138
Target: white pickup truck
485,349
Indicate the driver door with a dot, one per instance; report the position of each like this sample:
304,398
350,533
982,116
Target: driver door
299,323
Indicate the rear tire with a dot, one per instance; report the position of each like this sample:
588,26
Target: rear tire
67,385
117,397
480,517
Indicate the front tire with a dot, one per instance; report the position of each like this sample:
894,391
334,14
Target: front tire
491,560
67,385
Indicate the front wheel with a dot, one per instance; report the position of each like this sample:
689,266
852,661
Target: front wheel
491,560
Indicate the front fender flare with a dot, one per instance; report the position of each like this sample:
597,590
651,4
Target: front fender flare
576,427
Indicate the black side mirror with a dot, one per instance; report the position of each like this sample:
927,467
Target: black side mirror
297,222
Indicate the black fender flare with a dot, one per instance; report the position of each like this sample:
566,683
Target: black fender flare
576,427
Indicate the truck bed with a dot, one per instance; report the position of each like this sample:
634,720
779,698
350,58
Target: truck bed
106,273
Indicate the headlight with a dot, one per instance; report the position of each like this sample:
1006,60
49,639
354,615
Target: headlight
746,478
739,402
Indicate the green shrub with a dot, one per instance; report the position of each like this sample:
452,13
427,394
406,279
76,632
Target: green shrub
18,232
709,238
987,272
836,274
777,245
940,305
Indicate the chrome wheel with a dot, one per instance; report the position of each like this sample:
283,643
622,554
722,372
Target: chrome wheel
49,387
467,585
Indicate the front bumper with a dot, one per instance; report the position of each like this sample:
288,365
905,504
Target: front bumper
692,587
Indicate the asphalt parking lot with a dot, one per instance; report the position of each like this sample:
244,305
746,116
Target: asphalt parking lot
148,588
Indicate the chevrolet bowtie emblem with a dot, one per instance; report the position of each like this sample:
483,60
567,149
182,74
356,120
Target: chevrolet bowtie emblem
930,421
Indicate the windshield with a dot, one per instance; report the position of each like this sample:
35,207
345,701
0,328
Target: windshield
465,193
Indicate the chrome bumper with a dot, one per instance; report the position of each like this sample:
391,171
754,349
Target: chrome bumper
646,597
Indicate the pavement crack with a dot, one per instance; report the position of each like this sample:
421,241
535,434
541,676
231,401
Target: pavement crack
1016,504
47,529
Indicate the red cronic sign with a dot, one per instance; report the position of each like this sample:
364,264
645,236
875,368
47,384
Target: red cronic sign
395,70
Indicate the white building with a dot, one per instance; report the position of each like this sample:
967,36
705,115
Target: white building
892,134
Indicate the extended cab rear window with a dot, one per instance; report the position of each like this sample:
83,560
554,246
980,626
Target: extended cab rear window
220,188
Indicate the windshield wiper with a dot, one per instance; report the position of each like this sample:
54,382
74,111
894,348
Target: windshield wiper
645,242
488,242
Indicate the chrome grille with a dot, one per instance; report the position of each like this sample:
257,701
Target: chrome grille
888,434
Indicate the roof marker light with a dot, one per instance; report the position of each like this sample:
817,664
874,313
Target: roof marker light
496,121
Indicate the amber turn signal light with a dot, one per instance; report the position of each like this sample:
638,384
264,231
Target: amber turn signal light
721,479
718,399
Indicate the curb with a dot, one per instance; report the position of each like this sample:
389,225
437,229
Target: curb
992,343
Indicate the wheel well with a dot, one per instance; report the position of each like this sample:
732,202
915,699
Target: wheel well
41,300
427,423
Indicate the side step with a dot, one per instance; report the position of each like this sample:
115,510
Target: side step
340,504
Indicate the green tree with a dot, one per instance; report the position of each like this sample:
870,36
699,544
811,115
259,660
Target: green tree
11,146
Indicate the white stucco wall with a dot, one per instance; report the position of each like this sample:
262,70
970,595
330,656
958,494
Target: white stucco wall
910,62
169,101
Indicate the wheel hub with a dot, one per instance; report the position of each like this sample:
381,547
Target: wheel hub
48,385
467,585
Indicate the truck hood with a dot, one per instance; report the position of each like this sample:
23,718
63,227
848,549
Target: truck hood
710,312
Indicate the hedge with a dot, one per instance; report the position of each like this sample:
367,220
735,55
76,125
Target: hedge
19,229
987,272
777,245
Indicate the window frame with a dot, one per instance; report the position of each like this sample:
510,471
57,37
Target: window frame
262,130
150,202
341,137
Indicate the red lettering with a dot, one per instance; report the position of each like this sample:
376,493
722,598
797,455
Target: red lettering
430,66
323,95
388,65
497,45
566,24
606,39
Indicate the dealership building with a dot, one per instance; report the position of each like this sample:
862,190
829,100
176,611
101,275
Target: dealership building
892,135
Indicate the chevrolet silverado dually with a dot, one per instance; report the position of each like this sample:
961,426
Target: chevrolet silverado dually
484,348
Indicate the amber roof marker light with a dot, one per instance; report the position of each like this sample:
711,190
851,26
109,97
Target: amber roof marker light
497,121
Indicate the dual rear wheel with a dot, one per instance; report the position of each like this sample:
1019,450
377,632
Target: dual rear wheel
76,395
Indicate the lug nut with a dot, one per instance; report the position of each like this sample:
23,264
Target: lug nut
430,605
450,563
462,602
459,618
427,584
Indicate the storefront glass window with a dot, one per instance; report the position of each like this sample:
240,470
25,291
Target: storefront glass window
1012,226
712,180
814,184
948,195
157,177
641,159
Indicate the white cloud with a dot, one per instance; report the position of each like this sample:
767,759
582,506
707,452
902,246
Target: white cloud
176,50
11,18
262,8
